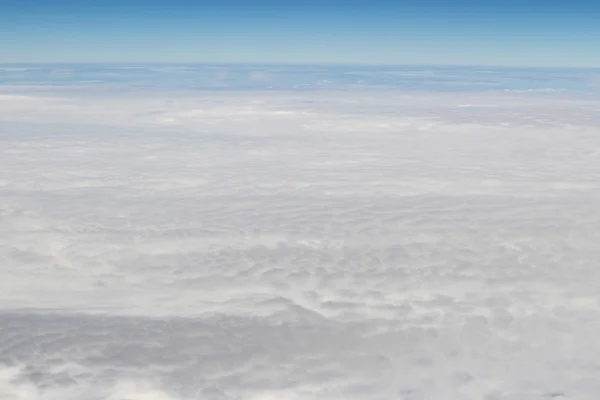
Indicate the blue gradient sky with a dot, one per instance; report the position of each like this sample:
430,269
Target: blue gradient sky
464,32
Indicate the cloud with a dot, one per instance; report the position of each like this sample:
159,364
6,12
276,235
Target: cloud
314,244
71,382
260,75
288,77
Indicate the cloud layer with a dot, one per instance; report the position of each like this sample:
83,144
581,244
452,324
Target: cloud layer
298,245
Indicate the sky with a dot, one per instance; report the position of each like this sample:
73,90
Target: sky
259,232
561,33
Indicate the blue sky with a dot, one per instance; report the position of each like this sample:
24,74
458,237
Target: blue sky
464,32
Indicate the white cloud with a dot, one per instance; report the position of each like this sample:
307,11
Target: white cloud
300,245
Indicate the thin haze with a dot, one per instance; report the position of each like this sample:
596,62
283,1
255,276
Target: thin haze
495,32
